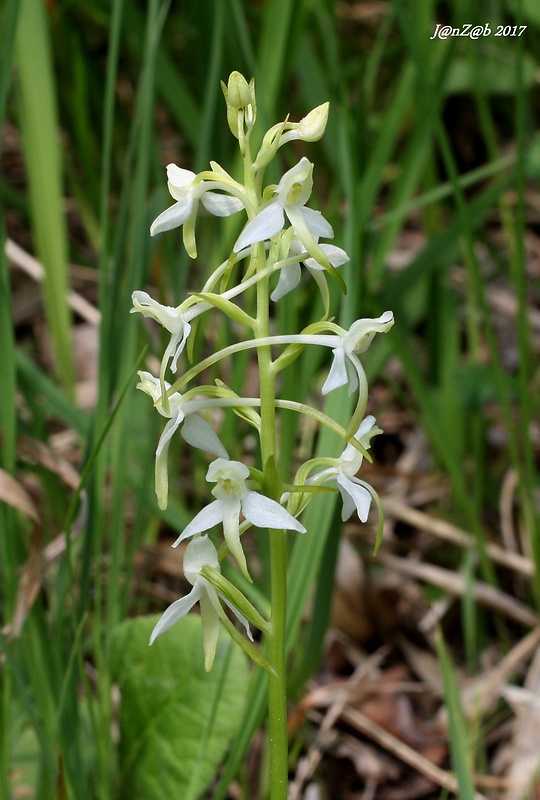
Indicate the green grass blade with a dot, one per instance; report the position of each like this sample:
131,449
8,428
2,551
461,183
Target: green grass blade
459,735
41,142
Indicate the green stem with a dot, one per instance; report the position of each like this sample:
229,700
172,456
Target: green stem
275,638
275,635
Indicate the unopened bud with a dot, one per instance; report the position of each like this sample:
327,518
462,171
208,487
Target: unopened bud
312,126
241,106
239,94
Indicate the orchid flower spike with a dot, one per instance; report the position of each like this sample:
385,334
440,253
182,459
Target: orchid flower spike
291,196
353,491
200,553
195,431
346,367
233,498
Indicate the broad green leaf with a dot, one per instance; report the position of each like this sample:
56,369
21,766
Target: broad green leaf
176,720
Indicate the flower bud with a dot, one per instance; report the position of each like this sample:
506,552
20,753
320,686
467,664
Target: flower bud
241,105
239,94
312,126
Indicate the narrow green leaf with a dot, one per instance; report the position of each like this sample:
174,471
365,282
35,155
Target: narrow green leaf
41,142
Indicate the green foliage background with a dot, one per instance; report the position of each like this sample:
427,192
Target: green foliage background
437,135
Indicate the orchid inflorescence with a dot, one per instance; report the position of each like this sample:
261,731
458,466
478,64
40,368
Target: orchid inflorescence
280,237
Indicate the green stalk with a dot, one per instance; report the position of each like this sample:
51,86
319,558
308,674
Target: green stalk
275,636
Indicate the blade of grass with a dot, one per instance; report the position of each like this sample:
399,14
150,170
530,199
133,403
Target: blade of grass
459,735
41,143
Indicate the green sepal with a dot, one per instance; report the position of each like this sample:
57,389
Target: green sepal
271,483
286,358
332,271
322,283
244,412
234,596
228,308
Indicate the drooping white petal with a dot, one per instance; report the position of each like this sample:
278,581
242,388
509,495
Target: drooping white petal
317,224
231,532
172,217
338,372
289,278
305,236
209,516
168,431
176,611
266,513
210,626
221,205
266,224
354,497
198,433
237,614
162,452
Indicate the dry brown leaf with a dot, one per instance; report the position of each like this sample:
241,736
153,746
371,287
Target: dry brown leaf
16,496
525,757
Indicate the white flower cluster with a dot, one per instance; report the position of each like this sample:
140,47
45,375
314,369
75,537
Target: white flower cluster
282,234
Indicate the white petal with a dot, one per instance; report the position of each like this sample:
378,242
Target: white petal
168,431
209,516
176,611
172,217
162,452
362,332
267,223
289,278
231,532
199,433
266,513
179,179
317,224
354,496
221,205
210,627
338,372
149,384
199,553
336,256
295,186
223,468
237,614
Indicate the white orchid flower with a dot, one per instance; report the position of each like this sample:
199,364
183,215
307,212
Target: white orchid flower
233,498
187,193
172,319
346,367
200,553
289,275
291,196
353,491
195,430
